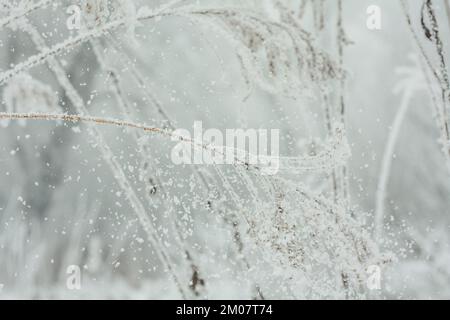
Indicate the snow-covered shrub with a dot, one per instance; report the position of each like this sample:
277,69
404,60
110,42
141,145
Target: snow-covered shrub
101,192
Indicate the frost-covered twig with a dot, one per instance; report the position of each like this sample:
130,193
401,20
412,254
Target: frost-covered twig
17,13
72,42
311,64
291,164
123,182
126,113
440,74
81,118
342,41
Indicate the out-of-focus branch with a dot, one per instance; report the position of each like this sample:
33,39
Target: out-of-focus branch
17,14
447,10
387,164
440,74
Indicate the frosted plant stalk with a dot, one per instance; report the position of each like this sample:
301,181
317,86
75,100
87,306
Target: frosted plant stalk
386,164
16,15
120,176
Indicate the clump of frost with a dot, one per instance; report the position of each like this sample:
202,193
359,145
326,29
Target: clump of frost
281,58
98,12
95,12
316,240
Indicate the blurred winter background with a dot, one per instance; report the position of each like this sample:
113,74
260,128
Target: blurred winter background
77,194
